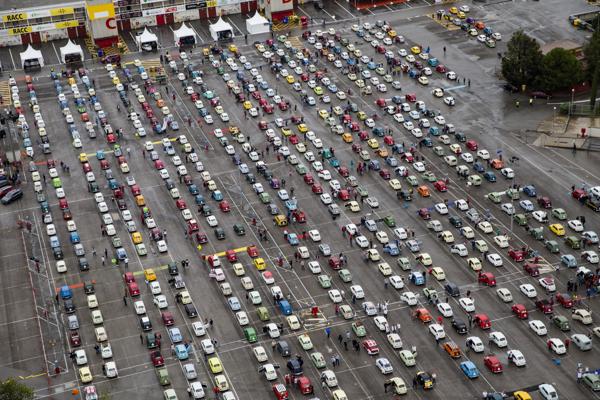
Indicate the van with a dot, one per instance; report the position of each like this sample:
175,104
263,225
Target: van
73,322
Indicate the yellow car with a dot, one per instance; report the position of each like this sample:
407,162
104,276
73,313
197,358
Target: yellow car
286,131
136,237
221,383
521,395
247,105
385,269
395,184
453,10
85,374
438,273
215,365
337,110
557,229
280,220
347,137
116,80
361,115
461,15
425,259
353,206
392,33
234,130
259,263
383,152
318,90
149,274
83,158
415,49
302,128
373,143
323,114
233,48
290,79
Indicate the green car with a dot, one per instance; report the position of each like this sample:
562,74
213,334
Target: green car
301,169
389,221
56,183
239,229
264,197
552,246
362,191
592,381
151,341
318,360
326,153
324,281
429,176
412,180
537,233
573,242
561,322
513,194
250,335
318,90
345,275
263,313
209,94
559,214
359,329
220,71
520,219
494,197
281,38
116,242
81,108
404,263
163,376
141,249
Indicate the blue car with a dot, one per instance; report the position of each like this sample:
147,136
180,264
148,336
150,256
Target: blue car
391,249
199,200
332,88
181,352
292,239
285,307
568,260
360,33
391,161
433,62
291,204
526,205
371,65
334,162
469,369
121,254
193,189
478,167
75,237
113,184
217,195
234,303
417,278
264,85
175,335
100,155
375,165
378,131
490,176
54,242
66,292
530,191
427,142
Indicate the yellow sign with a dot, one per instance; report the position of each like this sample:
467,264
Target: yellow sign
211,3
62,11
101,11
19,31
14,17
66,24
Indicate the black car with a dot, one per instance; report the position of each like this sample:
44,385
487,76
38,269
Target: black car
88,287
69,306
84,265
11,196
455,221
452,289
173,270
239,229
220,233
206,210
169,184
57,253
250,178
295,366
145,324
93,187
190,310
404,195
459,326
268,174
510,88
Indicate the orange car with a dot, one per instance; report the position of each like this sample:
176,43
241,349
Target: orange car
160,103
497,163
452,349
423,315
479,25
423,191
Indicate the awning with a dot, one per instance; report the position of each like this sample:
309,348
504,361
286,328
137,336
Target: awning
183,32
70,48
146,37
32,54
220,30
257,24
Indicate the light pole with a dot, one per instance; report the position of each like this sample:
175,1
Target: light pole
572,101
553,119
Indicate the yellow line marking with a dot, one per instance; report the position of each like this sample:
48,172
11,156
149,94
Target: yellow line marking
105,152
32,376
159,268
238,250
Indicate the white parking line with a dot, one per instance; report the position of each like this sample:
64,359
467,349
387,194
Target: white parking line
234,25
196,32
12,59
56,52
345,9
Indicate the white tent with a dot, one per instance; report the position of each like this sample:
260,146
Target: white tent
221,30
147,37
257,24
186,33
32,56
69,49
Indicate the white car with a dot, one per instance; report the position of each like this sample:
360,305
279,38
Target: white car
538,327
441,208
314,235
475,344
384,365
557,346
494,259
326,198
508,173
394,340
401,233
139,307
198,328
362,241
260,354
357,291
242,318
501,241
445,309
269,371
498,339
314,267
528,290
504,295
509,209
397,282
467,304
437,331
409,298
459,249
160,301
576,225
381,323
335,296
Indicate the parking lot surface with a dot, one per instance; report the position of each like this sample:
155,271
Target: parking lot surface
377,244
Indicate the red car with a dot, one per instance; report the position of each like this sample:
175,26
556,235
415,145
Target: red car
440,186
532,269
493,364
231,256
344,171
487,279
545,306
118,193
380,102
299,216
156,234
157,358
180,204
441,69
146,106
370,346
149,113
520,311
224,206
385,174
564,299
256,95
482,320
158,164
128,277
192,226
357,148
388,140
363,136
280,391
354,127
411,97
51,163
408,157
308,179
63,204
304,385
380,49
134,289
335,263
167,318
472,145
86,167
304,77
517,255
136,190
75,339
317,189
252,251
262,125
282,105
424,213
344,195
194,96
110,138
201,238
544,202
294,139
268,108
187,180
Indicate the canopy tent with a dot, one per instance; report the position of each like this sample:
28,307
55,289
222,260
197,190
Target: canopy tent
71,52
184,36
257,24
32,58
147,40
221,30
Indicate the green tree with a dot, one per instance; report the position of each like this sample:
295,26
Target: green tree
522,62
13,390
560,70
592,57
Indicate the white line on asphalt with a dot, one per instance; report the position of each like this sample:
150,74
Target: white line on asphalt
303,12
330,16
18,321
134,40
197,34
388,7
12,59
234,25
345,9
56,52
